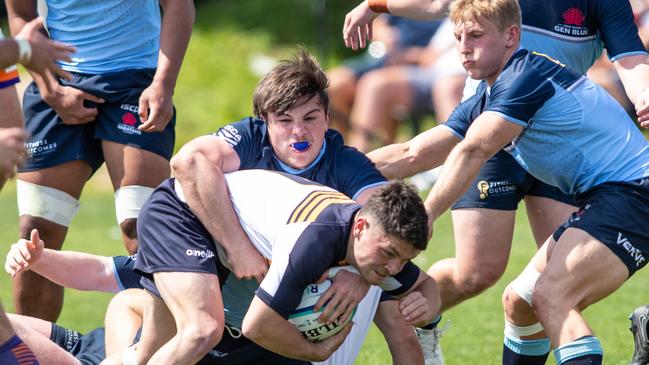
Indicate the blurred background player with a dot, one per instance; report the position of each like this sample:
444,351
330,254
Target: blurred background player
388,96
397,41
117,108
484,227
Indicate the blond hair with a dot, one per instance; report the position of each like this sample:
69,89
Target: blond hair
502,13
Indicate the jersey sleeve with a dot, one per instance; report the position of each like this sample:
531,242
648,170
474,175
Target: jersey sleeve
245,137
124,275
519,93
618,29
359,172
402,281
294,267
9,75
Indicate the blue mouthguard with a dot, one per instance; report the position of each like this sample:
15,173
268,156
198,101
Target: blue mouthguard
301,146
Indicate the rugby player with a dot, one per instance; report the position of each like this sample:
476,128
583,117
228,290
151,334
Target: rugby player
116,108
304,229
569,133
36,52
484,216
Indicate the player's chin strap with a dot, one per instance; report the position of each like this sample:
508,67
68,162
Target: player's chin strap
129,356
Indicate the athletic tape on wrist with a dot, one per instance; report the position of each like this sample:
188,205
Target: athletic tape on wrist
129,356
379,6
24,50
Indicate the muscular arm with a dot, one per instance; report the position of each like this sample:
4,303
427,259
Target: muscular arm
488,134
156,105
262,325
424,152
199,167
634,74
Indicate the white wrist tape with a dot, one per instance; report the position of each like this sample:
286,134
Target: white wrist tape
129,200
45,202
24,50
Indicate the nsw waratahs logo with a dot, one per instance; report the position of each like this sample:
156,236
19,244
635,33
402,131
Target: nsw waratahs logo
127,125
573,23
574,16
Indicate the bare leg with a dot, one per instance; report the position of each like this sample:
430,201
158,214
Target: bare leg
447,93
546,215
383,98
34,295
483,240
194,300
342,89
123,319
132,166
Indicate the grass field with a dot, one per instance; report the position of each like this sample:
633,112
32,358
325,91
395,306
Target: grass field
214,88
475,331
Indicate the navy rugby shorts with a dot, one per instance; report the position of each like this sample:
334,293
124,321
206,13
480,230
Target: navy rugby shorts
502,183
53,143
89,349
615,213
172,238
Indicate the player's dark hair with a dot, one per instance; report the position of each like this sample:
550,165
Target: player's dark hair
399,210
289,81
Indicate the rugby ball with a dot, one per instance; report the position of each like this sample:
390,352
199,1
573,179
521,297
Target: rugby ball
306,320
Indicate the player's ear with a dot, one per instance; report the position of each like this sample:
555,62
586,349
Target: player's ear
513,35
360,225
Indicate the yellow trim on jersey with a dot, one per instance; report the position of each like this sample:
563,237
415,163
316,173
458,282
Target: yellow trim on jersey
309,209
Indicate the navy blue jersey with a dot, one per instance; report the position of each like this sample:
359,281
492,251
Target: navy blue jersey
576,31
319,246
576,135
340,167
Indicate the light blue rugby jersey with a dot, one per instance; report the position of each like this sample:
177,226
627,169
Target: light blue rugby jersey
576,135
576,31
110,35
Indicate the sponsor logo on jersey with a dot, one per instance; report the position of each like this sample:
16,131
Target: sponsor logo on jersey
230,134
127,125
488,188
40,147
207,254
573,23
635,253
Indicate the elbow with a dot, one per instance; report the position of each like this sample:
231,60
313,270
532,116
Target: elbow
183,163
473,152
250,330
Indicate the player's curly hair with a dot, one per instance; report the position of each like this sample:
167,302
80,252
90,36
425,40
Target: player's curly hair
289,81
400,211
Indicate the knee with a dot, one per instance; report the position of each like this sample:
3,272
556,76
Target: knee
202,336
477,282
514,306
543,298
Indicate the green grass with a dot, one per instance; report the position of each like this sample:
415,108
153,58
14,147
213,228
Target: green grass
475,332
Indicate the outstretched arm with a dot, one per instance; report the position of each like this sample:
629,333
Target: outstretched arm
357,29
634,74
489,133
424,152
70,269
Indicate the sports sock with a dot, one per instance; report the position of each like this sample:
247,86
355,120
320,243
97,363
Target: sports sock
433,324
582,351
528,352
15,352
